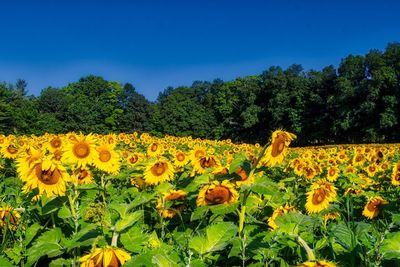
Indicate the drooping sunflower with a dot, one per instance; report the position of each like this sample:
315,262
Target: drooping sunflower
80,150
25,160
201,165
158,171
9,217
105,257
320,195
319,263
371,209
217,193
171,203
107,159
279,212
83,175
277,151
49,177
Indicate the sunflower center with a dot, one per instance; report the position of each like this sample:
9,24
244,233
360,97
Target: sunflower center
397,176
372,169
359,158
153,147
55,143
174,196
104,155
279,145
332,172
133,159
373,205
159,168
57,154
318,196
199,153
83,174
218,195
47,177
12,149
208,162
180,157
81,150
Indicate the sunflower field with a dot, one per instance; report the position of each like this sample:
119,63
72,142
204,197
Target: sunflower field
138,200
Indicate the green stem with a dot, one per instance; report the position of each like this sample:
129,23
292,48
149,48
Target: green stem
310,252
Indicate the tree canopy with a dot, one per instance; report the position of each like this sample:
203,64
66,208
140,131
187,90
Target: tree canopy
357,102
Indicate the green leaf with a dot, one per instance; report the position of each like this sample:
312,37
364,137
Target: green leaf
53,205
46,244
197,182
390,247
31,232
222,209
128,220
343,235
199,212
60,262
162,261
237,161
134,239
5,263
64,213
217,237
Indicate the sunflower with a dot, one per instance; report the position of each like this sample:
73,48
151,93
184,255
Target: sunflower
371,209
105,257
217,193
309,172
331,216
277,151
9,217
134,158
319,263
107,159
180,159
25,160
358,159
155,149
9,149
333,173
171,203
83,175
55,143
48,177
279,212
197,152
321,194
201,165
158,171
395,177
371,169
80,150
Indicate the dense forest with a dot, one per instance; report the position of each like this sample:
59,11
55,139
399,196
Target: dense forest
356,103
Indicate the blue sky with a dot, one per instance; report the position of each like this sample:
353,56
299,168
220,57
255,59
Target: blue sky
155,44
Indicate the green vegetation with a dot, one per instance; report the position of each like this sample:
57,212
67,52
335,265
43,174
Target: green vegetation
358,102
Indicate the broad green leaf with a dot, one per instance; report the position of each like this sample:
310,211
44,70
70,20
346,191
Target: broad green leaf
5,262
162,261
47,244
222,209
134,239
237,161
53,205
391,246
343,235
199,213
64,213
128,220
217,237
31,232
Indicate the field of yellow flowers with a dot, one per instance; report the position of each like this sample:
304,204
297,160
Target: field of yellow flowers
139,200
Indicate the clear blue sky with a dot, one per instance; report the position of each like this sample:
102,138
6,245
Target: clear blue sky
155,44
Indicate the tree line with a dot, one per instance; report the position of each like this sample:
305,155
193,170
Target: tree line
356,103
